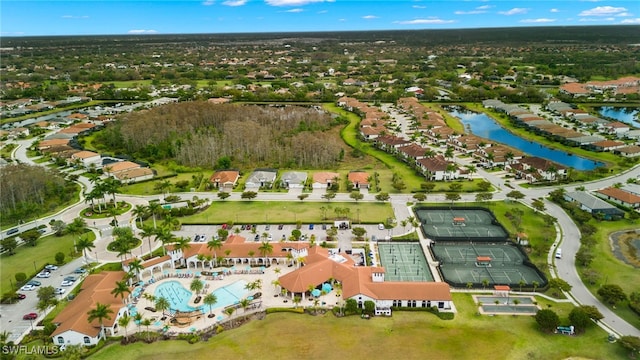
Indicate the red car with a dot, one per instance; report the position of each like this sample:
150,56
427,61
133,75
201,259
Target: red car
21,296
224,226
30,316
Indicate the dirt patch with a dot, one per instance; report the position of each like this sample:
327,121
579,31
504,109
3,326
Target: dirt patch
626,246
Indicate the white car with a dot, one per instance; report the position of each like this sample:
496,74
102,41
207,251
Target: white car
60,291
44,274
51,267
270,237
380,226
27,288
66,283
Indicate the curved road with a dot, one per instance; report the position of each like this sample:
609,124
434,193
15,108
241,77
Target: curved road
569,237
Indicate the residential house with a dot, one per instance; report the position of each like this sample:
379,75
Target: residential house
73,327
620,196
437,168
628,151
607,145
48,143
412,152
293,179
323,180
134,175
261,178
594,205
117,167
225,180
358,179
535,169
86,158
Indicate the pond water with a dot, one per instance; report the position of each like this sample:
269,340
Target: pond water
484,126
627,115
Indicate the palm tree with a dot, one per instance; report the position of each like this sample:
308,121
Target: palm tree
154,209
137,318
136,267
296,301
210,300
140,211
229,311
245,304
100,313
277,270
147,232
121,289
275,283
196,285
214,244
535,285
251,253
123,322
84,245
265,249
521,283
146,323
166,237
111,186
162,304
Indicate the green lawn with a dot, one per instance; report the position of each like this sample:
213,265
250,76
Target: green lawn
286,212
406,335
30,259
128,84
47,112
612,270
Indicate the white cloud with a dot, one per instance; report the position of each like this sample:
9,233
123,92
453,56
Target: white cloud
75,17
424,21
369,17
142,31
484,7
537,21
234,2
554,10
291,2
623,14
323,11
471,12
296,10
514,11
602,11
630,21
208,2
419,7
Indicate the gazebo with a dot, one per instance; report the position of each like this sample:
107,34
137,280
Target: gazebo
484,261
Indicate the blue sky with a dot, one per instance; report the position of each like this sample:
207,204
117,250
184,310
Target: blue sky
86,17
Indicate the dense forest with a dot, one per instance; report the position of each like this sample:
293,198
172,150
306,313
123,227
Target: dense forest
200,134
27,191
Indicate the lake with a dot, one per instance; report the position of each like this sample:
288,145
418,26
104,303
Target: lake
484,126
627,115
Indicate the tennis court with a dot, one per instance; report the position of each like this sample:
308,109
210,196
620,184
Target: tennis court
461,224
404,262
485,265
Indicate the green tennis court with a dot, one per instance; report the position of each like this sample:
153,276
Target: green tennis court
460,224
404,262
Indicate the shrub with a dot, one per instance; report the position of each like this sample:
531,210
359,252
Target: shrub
20,277
59,257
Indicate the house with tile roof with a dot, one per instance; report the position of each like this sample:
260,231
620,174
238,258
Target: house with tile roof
436,168
628,151
363,283
261,178
607,145
73,327
535,169
358,179
48,143
225,180
117,167
620,196
134,175
86,158
323,180
293,179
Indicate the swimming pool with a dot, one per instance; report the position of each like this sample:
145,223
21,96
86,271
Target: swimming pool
523,300
179,297
510,309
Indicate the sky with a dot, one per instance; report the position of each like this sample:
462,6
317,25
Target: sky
115,17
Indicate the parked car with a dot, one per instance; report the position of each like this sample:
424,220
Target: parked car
12,231
267,227
27,287
270,237
243,227
21,296
34,283
66,283
30,316
43,275
324,226
280,227
71,278
311,226
60,291
79,271
51,267
380,226
256,238
225,226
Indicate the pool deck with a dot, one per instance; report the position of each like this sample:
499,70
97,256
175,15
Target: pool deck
270,298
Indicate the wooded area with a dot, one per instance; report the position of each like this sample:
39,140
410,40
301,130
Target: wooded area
199,134
26,191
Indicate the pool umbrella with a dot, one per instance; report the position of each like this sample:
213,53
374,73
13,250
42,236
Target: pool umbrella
316,292
326,287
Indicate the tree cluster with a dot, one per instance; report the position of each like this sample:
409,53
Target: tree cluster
199,134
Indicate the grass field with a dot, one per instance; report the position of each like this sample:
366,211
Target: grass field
406,335
30,259
612,270
286,212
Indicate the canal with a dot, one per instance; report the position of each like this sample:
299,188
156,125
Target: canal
484,126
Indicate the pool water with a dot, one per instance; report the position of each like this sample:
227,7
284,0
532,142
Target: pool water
526,309
503,300
179,297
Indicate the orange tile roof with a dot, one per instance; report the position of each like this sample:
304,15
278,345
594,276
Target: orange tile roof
120,166
620,195
84,154
324,177
96,288
359,177
53,142
133,173
225,176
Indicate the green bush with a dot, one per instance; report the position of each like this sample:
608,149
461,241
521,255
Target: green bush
299,310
